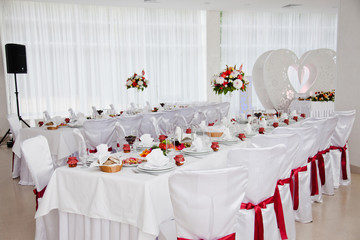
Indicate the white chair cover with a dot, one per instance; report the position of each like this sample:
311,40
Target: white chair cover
188,113
339,139
264,166
112,109
149,124
206,202
47,117
99,131
37,155
292,142
95,113
15,126
80,140
307,148
72,114
212,114
130,123
223,108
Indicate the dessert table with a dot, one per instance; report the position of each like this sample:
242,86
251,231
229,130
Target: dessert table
127,204
313,109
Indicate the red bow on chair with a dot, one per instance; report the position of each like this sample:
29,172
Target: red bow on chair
321,164
227,237
343,159
313,176
39,195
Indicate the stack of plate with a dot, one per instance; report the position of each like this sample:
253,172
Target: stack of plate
189,151
144,168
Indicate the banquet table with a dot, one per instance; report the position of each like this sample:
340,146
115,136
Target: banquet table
136,201
313,109
62,142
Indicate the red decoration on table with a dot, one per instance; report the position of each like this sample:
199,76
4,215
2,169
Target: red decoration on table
275,124
179,159
261,130
295,118
249,115
211,124
72,161
242,136
286,121
215,146
126,148
40,123
162,137
188,131
303,115
67,120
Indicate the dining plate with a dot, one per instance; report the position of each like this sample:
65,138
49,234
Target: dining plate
229,142
196,153
168,166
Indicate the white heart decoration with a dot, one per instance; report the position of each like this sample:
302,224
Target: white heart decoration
278,75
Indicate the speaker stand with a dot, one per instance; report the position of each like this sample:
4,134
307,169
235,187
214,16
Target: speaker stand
18,110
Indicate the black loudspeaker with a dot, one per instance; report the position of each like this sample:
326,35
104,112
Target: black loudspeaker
15,58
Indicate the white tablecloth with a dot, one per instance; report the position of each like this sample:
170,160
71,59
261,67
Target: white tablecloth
313,109
138,200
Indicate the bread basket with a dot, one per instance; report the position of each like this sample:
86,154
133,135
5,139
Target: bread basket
214,134
111,168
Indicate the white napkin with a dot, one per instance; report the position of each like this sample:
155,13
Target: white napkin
248,129
293,113
178,133
57,120
47,117
284,116
156,159
197,145
227,135
202,125
225,121
275,118
72,114
263,123
101,154
146,140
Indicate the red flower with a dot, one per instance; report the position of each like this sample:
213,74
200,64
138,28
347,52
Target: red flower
223,75
224,83
135,74
134,84
143,72
240,76
221,87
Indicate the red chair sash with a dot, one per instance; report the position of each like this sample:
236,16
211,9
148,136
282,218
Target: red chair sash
38,195
321,164
313,176
343,160
227,237
279,209
294,185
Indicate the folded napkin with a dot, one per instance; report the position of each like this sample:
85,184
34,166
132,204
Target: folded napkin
293,113
156,159
178,133
72,114
197,145
47,117
227,135
146,140
263,123
225,121
202,125
284,116
275,118
248,129
101,154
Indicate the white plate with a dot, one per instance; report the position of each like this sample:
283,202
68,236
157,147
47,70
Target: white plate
155,172
190,152
168,166
229,142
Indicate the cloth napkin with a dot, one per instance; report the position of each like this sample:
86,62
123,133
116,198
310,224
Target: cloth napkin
225,121
263,123
101,154
202,125
178,133
197,145
227,135
293,113
146,140
72,114
284,116
248,129
156,159
275,118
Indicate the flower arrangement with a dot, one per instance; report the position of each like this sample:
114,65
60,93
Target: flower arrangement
164,145
322,97
229,80
137,81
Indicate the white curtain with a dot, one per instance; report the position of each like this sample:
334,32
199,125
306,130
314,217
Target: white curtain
79,56
247,35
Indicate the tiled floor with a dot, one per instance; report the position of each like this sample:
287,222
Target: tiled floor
336,218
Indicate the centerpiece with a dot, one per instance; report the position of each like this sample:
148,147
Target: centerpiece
229,80
137,81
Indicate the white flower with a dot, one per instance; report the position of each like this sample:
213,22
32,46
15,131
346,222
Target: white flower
234,74
129,82
140,83
226,85
237,83
220,80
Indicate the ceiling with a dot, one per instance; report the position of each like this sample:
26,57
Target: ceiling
222,5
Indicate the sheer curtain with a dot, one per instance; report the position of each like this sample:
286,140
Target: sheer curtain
79,56
247,35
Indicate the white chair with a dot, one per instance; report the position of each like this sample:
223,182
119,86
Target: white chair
291,141
206,202
149,124
46,116
112,109
82,150
95,113
257,210
339,153
15,126
300,173
99,131
120,135
130,124
37,155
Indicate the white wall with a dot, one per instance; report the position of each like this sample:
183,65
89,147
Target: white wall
212,51
348,63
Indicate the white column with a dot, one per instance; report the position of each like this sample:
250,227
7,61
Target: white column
348,64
